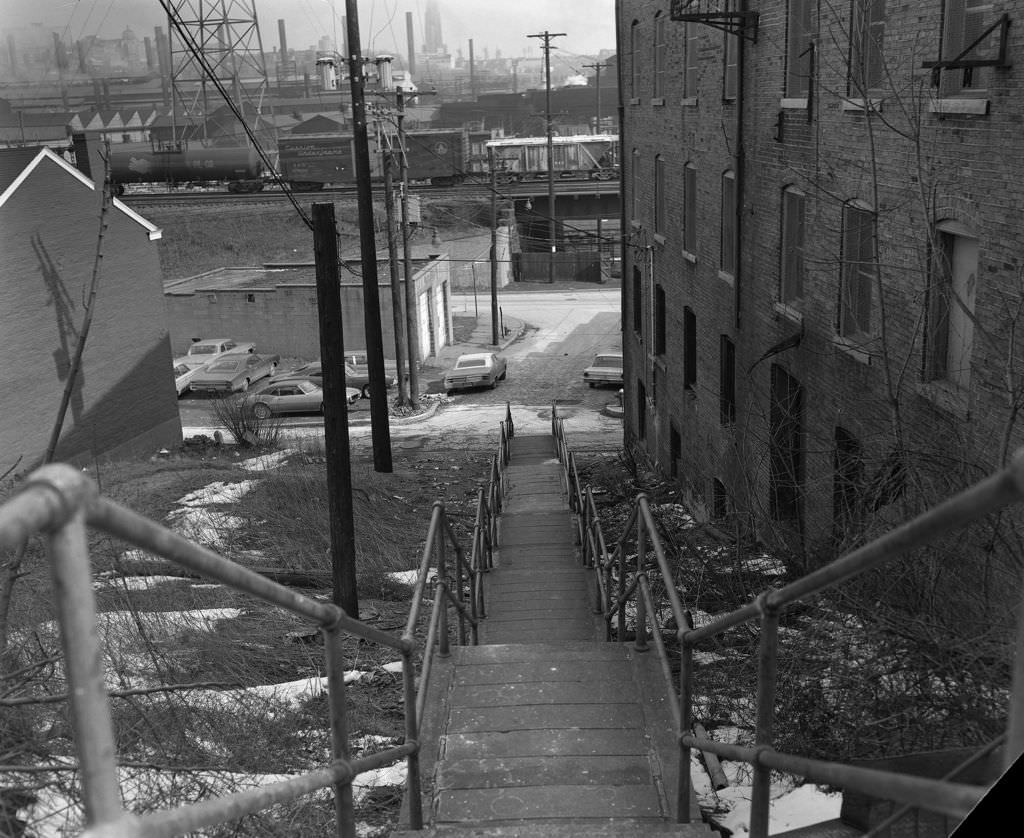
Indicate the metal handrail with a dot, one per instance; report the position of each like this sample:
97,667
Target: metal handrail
62,503
950,798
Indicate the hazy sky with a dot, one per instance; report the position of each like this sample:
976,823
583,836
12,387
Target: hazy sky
588,24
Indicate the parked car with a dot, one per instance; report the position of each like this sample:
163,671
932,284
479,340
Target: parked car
301,395
212,348
184,371
234,372
478,369
360,360
354,376
605,369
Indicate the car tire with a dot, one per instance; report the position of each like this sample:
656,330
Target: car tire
366,391
494,383
261,411
502,376
448,392
321,408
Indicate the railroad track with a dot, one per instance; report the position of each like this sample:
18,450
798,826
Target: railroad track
506,191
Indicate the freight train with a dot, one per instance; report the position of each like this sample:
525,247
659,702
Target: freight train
440,157
308,163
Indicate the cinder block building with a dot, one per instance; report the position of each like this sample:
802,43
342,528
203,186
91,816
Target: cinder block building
124,400
824,268
275,307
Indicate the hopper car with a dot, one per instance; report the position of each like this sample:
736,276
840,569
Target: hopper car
180,164
583,157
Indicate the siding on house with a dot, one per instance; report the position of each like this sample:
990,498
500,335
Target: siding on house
124,401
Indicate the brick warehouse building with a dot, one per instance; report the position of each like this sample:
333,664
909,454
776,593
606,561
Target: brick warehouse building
823,271
124,401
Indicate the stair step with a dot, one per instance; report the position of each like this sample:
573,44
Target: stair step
583,828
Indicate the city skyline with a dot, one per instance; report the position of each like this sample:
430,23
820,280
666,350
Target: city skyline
588,24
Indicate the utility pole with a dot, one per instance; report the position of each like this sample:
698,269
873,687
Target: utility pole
379,423
340,516
494,247
396,286
547,36
412,327
597,84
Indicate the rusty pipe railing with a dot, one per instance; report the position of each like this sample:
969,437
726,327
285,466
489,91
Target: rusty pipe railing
956,799
62,503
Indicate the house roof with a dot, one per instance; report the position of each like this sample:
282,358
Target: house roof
16,164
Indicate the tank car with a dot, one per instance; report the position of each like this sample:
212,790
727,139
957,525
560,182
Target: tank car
182,164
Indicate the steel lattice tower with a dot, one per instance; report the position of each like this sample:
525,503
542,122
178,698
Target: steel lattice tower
227,34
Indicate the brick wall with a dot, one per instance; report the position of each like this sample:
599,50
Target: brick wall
966,168
125,400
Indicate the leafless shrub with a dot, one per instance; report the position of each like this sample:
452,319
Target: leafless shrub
235,413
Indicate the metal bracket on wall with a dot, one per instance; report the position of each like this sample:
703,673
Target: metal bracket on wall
711,13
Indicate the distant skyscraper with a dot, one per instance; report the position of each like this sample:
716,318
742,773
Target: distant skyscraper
432,28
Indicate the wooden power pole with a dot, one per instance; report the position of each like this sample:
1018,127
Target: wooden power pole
341,518
546,37
379,421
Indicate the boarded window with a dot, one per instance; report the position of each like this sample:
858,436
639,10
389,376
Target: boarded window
689,348
690,209
785,425
858,271
660,51
867,62
799,53
660,331
727,261
726,381
792,267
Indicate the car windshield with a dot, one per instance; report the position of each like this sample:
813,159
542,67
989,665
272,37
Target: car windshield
608,361
225,366
470,362
307,387
205,349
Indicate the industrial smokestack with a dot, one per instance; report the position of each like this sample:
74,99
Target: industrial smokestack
147,42
284,41
411,45
83,68
472,71
12,48
162,48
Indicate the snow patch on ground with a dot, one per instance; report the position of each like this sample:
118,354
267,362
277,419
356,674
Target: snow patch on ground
408,577
266,462
204,526
217,493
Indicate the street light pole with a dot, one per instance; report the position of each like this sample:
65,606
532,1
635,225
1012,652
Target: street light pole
547,36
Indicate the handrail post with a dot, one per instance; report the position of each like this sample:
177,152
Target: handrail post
640,644
760,798
412,734
684,783
90,712
508,420
442,589
344,805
